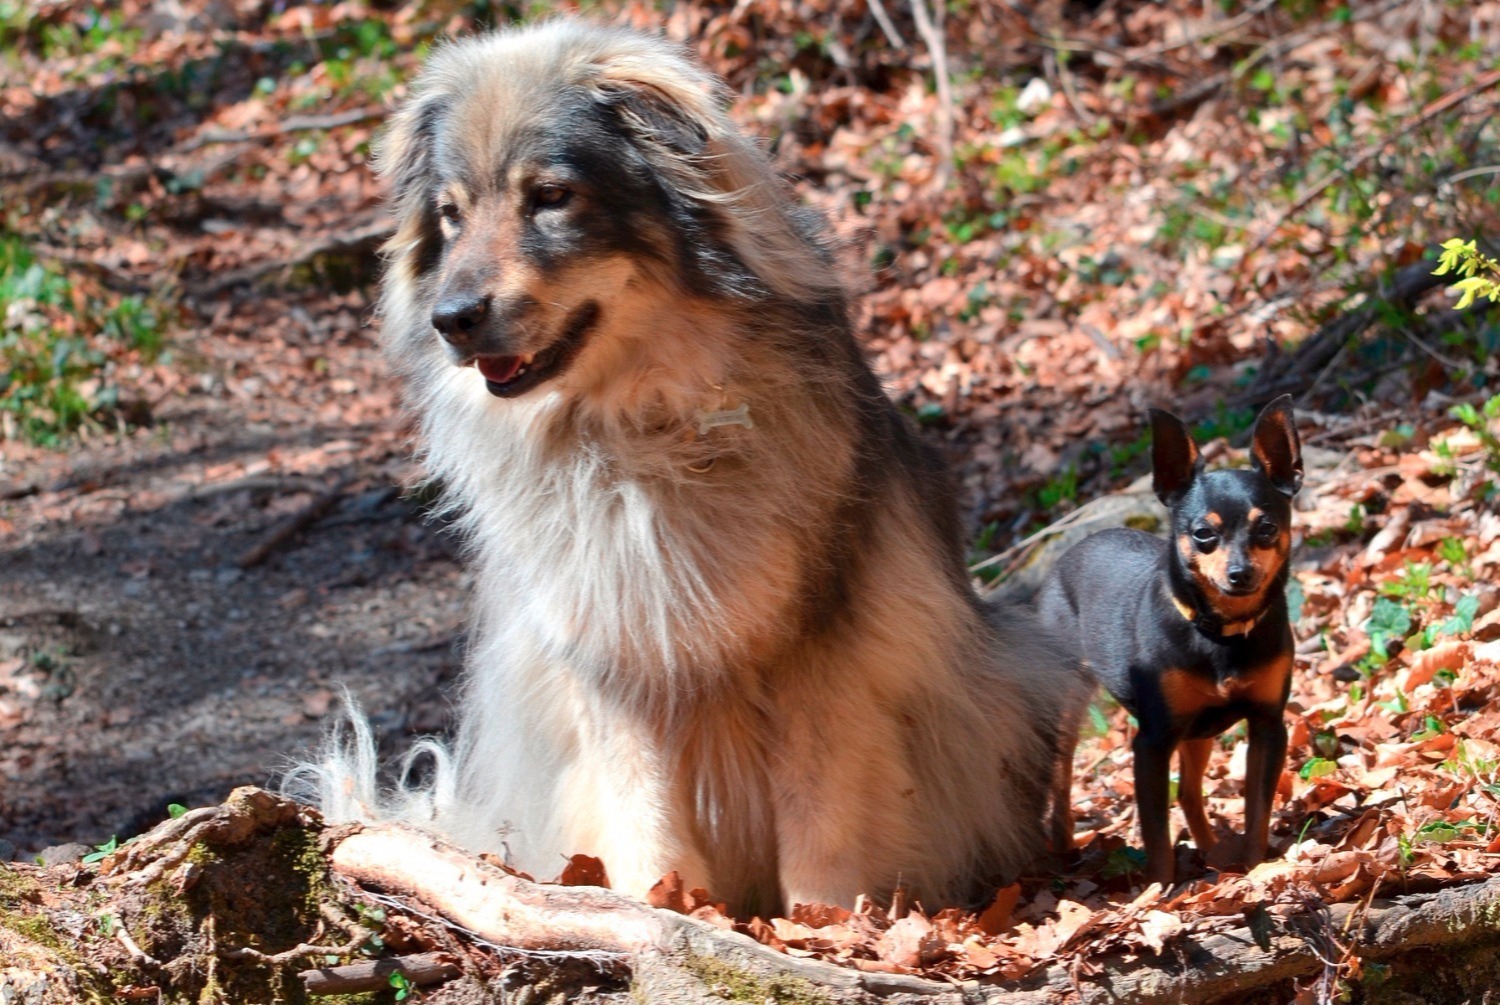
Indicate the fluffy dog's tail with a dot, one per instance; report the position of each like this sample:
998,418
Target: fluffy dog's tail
343,778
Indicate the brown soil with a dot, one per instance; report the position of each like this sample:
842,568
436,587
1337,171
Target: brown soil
139,663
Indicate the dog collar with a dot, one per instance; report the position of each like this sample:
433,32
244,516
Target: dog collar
1226,628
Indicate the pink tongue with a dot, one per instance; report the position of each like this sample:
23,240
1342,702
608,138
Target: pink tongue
498,369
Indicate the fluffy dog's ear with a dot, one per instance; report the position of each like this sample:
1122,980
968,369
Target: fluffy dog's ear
676,112
655,116
403,157
1275,450
1175,460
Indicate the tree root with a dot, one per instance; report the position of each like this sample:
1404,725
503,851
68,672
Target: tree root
452,917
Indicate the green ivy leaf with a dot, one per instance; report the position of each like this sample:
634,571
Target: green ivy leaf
1463,616
1295,598
1388,618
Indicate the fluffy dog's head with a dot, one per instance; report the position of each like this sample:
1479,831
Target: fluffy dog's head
571,184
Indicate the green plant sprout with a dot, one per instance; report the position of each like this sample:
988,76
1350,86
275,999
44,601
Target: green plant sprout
101,851
1413,583
405,989
1463,258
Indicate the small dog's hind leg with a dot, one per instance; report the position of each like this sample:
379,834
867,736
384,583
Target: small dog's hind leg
1061,821
1061,817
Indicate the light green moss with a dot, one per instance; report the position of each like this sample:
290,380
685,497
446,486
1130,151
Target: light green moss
738,985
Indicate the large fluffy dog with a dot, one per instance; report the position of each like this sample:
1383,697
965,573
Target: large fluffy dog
723,624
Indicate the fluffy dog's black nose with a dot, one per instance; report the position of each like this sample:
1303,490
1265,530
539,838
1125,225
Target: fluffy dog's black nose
1240,576
456,317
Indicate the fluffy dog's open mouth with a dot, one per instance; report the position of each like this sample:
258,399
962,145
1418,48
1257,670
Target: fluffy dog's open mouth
509,376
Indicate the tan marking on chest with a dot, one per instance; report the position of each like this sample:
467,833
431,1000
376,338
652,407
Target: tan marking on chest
1187,693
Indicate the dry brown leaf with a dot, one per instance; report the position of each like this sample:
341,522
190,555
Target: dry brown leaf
996,918
1425,664
585,870
668,894
910,943
1157,927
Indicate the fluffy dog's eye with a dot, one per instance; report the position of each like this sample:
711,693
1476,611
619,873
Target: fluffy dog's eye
551,195
449,211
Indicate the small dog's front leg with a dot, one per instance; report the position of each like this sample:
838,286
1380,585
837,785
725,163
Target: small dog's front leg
1263,767
1153,761
1192,761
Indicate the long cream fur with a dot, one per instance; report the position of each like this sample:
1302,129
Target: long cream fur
770,675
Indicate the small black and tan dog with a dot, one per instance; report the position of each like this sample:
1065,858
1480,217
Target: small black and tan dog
1190,635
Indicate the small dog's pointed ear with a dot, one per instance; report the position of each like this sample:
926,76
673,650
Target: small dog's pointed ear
1275,450
1175,460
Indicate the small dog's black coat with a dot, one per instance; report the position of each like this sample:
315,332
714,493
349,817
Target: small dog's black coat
1191,634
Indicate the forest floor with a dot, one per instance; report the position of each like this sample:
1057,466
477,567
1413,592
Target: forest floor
210,521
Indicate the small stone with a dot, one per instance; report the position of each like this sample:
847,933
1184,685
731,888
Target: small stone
63,854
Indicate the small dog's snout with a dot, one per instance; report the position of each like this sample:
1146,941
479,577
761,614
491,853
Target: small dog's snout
457,317
1240,576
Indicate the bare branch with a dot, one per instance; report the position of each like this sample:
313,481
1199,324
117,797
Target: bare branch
930,26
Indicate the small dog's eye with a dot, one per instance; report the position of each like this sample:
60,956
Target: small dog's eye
551,195
1205,538
449,211
1265,530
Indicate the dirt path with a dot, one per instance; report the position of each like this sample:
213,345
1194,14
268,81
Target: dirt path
139,663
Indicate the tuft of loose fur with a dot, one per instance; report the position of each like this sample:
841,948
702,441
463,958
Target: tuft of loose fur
744,651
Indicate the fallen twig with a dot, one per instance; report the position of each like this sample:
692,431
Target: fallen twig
1306,367
138,954
1447,102
125,175
1273,49
358,937
295,123
512,914
254,483
1212,30
291,526
362,237
420,969
112,277
883,18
